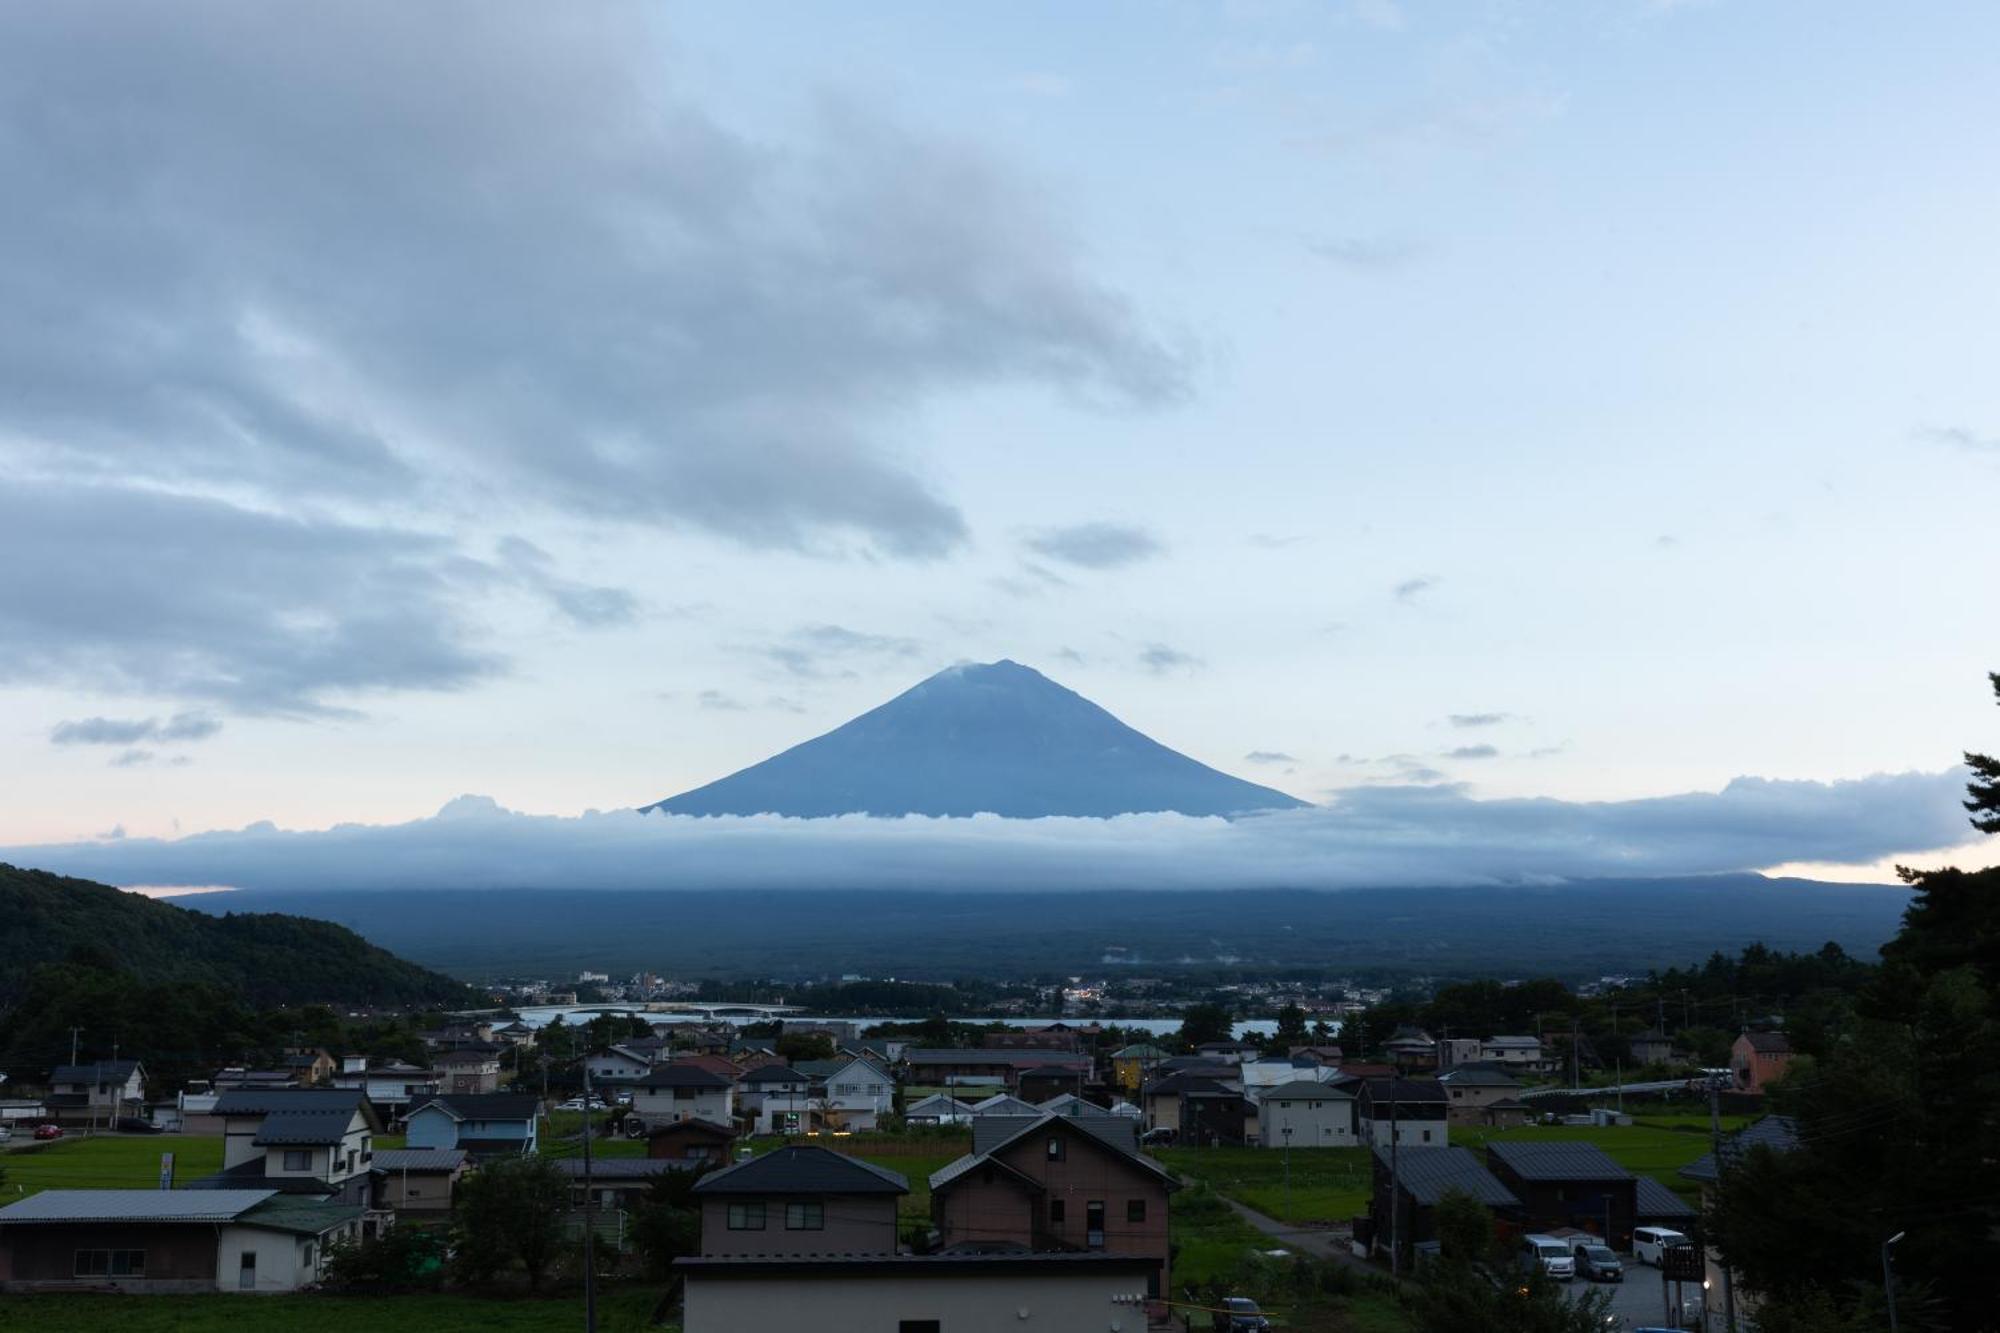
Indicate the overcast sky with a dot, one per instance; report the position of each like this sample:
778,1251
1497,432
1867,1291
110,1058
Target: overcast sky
574,404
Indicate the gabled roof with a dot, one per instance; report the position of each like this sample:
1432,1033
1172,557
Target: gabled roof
803,1169
683,1076
133,1206
1428,1174
1656,1200
939,1102
299,1217
1478,1078
107,1071
421,1160
1514,1043
315,1128
1116,1134
958,1166
1768,1043
275,1101
1071,1104
1556,1161
1001,1103
1139,1050
1186,1081
1779,1133
1307,1090
695,1125
774,1074
1403,1091
483,1105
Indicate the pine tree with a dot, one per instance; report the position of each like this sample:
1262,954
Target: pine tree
1984,789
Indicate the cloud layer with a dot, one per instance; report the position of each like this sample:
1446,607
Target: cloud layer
300,287
1365,836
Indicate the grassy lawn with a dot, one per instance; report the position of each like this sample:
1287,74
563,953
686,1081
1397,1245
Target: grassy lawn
1328,1184
619,1310
1648,1149
105,1162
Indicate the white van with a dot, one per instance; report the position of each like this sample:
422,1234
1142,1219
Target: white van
1551,1254
1648,1242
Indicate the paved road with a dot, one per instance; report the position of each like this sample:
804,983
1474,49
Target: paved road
1306,1240
1639,1299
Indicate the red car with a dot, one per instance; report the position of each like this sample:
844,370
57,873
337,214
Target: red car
48,1131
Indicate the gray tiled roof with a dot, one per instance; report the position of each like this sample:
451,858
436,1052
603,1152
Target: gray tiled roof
303,1127
803,1170
96,1071
774,1074
1656,1200
1429,1173
1779,1133
266,1101
484,1105
1118,1133
300,1217
133,1206
1306,1090
683,1076
420,1159
1478,1078
1556,1161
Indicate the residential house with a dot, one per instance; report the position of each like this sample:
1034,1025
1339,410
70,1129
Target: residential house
1056,1183
1414,1111
417,1184
799,1200
236,1077
310,1065
1132,1065
682,1092
456,1036
1056,1038
938,1109
620,1065
1759,1059
1308,1113
616,1183
1454,1051
1070,1104
1652,1047
1228,1052
956,1291
1472,1089
393,1088
469,1069
1001,1103
1322,1054
1578,1185
858,1094
485,1124
1257,1075
777,1099
95,1092
1052,1080
1771,1133
951,1067
1410,1183
1160,1102
318,1141
515,1033
1522,1054
1411,1050
159,1242
689,1144
1217,1118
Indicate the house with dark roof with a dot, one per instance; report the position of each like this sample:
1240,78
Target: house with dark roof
1160,1100
1760,1059
1471,1089
485,1124
1132,1065
938,1109
951,1067
417,1184
1411,1049
690,1144
472,1068
305,1141
1652,1047
615,1182
1578,1185
95,1091
798,1200
776,1097
1771,1133
1415,1112
1217,1118
162,1242
681,1091
1308,1113
1054,1183
1410,1182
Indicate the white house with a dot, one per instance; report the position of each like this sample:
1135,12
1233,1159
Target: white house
98,1091
938,1109
620,1064
858,1094
778,1098
683,1092
297,1135
393,1087
1307,1113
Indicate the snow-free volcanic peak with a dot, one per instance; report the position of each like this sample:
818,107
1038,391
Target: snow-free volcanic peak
996,738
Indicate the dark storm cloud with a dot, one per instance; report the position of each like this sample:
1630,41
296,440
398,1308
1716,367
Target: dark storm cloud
1381,836
149,593
1095,545
369,250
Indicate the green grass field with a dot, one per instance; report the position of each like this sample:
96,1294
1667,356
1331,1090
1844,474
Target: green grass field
106,1162
619,1310
1328,1184
1657,1148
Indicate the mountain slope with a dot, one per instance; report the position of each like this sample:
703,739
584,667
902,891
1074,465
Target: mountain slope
999,738
267,958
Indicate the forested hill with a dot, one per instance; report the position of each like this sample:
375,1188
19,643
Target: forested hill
265,958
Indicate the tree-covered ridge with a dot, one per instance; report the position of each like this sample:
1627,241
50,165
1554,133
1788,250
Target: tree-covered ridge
264,959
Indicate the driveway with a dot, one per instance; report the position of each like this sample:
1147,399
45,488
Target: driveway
1306,1240
1641,1300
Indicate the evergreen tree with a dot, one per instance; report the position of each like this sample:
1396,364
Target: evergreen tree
1984,789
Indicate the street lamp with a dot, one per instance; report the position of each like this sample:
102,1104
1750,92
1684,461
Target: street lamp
1889,1278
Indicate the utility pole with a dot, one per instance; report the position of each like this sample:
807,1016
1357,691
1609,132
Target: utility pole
1889,1278
1715,1146
1288,1172
73,1034
589,1222
1395,1186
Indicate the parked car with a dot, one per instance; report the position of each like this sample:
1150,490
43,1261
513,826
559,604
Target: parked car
132,1124
48,1131
6,1132
1596,1263
1649,1242
1160,1138
1242,1316
1553,1256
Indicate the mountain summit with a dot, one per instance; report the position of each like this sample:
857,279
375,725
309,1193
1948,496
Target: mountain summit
999,738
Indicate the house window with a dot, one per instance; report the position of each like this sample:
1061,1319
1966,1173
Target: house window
1093,1224
1135,1210
1427,1136
805,1217
1055,1212
297,1159
1055,1150
111,1263
746,1217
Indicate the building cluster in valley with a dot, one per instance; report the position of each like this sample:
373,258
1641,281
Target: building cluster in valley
1053,1206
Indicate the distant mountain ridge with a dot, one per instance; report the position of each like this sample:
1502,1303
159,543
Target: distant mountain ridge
995,738
268,958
